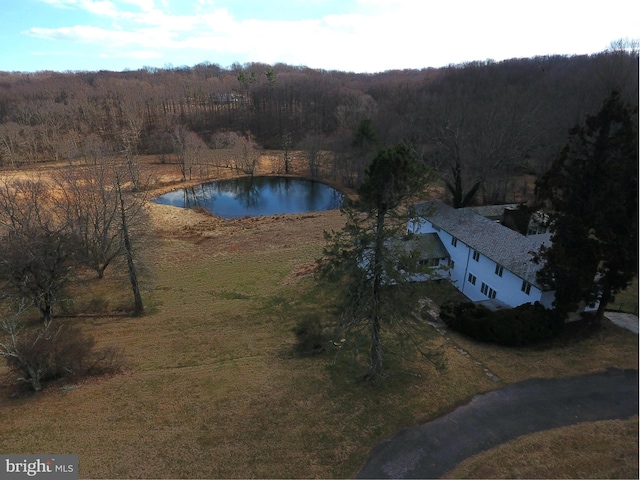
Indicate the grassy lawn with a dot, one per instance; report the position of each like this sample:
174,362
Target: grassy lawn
215,391
579,451
627,300
577,350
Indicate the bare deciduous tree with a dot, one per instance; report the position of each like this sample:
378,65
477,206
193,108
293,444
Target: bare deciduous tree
130,138
188,148
10,144
313,145
287,145
89,201
130,212
246,154
38,255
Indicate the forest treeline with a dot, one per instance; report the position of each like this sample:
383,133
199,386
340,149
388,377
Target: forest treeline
489,125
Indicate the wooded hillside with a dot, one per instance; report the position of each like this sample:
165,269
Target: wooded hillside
493,123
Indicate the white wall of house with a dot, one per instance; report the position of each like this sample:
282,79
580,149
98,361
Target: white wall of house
458,254
547,298
541,235
478,277
490,280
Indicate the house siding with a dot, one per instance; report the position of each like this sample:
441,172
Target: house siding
507,287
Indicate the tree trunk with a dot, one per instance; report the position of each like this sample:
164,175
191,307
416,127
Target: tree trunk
47,313
138,308
376,367
34,379
602,305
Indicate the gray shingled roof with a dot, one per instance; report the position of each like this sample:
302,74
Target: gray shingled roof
429,245
501,244
492,212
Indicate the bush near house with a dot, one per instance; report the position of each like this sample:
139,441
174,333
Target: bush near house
523,325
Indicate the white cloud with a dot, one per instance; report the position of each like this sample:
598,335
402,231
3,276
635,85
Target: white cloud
144,5
135,54
61,3
97,7
376,34
101,7
219,20
83,34
106,39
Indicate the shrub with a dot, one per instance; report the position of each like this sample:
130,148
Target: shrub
468,318
523,325
48,353
311,335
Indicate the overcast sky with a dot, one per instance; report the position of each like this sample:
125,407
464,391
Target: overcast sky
348,35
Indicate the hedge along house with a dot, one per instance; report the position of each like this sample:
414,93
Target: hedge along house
488,262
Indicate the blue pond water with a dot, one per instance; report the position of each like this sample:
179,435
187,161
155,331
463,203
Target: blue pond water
256,196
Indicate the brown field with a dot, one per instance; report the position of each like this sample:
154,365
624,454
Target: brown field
213,389
588,450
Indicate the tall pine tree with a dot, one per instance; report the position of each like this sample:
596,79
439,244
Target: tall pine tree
362,254
591,190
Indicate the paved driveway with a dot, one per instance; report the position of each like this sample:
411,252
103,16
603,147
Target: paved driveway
434,448
624,320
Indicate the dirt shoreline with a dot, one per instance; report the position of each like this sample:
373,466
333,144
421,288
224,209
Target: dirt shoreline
169,221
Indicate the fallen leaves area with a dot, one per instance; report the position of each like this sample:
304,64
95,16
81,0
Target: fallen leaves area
242,234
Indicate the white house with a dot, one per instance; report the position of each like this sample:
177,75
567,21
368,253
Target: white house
487,261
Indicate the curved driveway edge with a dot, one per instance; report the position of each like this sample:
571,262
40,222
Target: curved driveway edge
624,320
488,420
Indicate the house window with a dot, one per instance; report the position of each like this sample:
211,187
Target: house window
472,279
454,241
476,255
499,270
537,229
526,287
487,291
429,262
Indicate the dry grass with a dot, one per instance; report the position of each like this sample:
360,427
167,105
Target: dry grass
627,300
214,390
607,449
580,349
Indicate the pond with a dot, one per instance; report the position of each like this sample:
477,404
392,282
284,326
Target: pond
256,196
